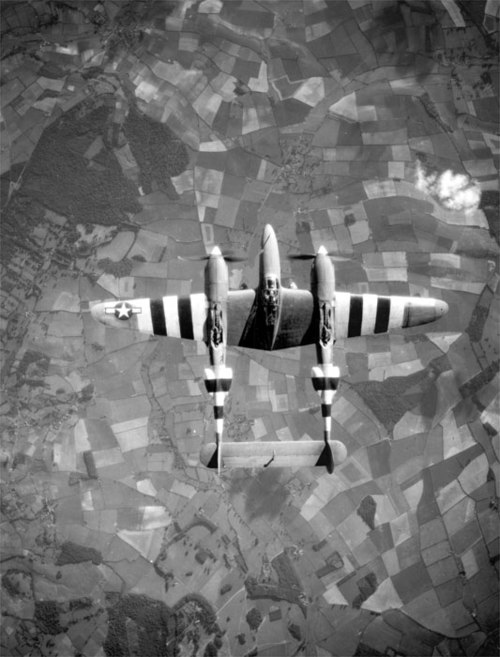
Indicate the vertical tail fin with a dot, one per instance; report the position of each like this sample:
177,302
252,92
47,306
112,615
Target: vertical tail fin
326,456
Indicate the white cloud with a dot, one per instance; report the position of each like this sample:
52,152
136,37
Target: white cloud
454,191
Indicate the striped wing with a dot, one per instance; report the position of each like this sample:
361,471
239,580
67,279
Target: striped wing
355,315
185,317
174,316
370,314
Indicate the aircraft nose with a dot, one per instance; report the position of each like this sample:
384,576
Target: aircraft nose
441,308
268,234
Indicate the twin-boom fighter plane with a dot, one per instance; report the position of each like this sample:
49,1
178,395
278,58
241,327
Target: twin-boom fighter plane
270,317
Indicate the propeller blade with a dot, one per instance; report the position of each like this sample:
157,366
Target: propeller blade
311,256
301,256
228,257
193,258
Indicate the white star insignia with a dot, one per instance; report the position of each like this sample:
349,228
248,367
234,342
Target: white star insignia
123,311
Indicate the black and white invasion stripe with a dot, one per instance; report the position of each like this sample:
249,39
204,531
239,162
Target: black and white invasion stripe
367,314
173,316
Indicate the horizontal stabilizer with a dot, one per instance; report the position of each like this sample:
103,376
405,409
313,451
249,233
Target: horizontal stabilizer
277,454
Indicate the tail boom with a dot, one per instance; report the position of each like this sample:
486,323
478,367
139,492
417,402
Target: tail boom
218,381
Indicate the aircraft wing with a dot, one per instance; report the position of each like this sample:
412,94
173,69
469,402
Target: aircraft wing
178,317
185,316
174,316
355,315
371,314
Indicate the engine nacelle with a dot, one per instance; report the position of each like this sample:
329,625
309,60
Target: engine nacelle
323,277
216,277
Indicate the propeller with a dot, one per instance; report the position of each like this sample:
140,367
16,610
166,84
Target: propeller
301,256
228,257
311,256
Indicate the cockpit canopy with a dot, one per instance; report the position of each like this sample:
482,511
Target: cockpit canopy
271,283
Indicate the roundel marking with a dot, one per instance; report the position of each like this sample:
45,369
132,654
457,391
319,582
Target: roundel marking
123,310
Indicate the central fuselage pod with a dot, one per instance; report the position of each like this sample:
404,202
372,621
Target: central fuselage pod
323,291
269,298
269,256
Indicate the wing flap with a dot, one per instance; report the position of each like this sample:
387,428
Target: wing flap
246,321
296,325
240,315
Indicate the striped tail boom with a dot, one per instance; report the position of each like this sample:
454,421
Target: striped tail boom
217,383
325,380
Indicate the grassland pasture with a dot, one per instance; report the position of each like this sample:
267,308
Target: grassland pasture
149,245
118,287
118,248
61,294
152,287
65,324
